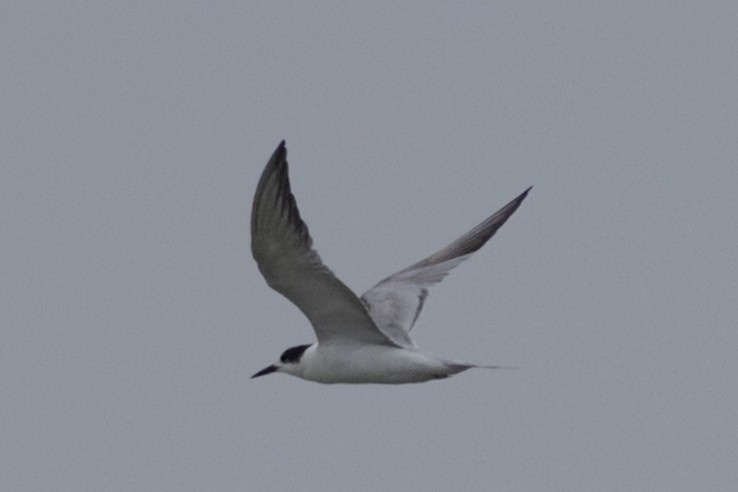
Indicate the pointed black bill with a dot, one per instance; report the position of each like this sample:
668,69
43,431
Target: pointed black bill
265,371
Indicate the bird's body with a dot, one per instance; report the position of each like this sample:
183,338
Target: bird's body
360,340
356,364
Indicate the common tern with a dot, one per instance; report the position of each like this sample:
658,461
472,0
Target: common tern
360,339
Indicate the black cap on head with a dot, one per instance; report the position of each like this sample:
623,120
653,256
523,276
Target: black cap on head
294,354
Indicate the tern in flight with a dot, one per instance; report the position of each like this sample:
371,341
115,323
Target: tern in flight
360,339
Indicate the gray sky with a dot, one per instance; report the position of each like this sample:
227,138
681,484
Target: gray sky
133,135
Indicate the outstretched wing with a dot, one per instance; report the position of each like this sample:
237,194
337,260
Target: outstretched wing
282,247
395,302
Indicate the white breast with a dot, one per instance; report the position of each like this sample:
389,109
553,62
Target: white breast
339,363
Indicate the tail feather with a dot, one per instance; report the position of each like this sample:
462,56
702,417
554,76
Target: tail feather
462,366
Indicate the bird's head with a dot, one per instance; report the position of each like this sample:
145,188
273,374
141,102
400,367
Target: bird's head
289,362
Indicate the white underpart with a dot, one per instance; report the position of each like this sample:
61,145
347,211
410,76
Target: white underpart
357,364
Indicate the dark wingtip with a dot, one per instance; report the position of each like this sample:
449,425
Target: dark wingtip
519,199
281,150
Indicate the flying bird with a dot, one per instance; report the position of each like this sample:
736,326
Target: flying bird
360,339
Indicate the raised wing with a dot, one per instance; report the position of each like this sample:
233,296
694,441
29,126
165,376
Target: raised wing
395,302
282,247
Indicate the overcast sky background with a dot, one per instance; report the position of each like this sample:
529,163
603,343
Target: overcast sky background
132,313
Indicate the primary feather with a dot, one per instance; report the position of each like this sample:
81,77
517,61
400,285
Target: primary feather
385,314
395,302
